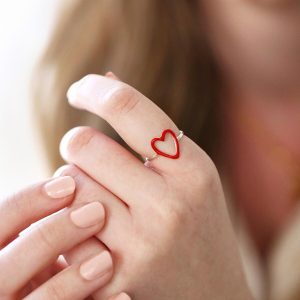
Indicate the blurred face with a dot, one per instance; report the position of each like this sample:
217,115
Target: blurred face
257,44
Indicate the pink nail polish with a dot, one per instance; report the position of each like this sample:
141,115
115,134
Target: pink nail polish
88,215
97,266
60,187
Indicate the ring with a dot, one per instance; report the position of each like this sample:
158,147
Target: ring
158,152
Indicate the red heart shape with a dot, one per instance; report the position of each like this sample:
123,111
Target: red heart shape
162,139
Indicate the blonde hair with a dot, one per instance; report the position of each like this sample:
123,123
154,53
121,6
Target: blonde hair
156,46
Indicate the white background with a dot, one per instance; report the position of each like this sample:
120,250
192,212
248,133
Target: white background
24,31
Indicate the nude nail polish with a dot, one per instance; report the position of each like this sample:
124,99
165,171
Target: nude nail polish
88,215
60,187
97,266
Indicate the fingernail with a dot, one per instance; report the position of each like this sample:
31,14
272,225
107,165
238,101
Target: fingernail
97,266
66,141
88,215
122,296
60,187
60,171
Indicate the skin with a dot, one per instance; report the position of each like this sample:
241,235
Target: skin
155,221
190,234
250,78
30,267
257,47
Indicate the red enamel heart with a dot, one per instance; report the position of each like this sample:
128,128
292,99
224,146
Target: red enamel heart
162,139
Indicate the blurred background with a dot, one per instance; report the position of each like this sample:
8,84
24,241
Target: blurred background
25,28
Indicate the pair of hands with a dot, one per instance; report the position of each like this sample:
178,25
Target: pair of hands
157,230
29,264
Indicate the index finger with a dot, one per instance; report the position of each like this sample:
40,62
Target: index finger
32,203
136,118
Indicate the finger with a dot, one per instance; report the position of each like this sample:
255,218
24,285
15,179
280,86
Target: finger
90,248
32,252
136,119
118,225
83,251
49,272
110,164
122,296
32,203
77,281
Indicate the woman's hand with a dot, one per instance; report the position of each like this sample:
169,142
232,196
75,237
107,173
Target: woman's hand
28,261
168,227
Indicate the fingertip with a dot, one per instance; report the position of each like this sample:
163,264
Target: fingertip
60,171
66,143
110,74
72,93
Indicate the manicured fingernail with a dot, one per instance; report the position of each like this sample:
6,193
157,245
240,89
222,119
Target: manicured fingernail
66,141
97,266
122,296
88,215
60,171
60,187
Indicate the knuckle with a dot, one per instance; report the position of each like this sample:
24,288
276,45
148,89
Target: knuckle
55,290
76,139
7,288
122,99
175,218
174,224
172,214
209,176
16,202
45,237
203,173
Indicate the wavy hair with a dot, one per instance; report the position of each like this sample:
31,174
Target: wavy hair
158,47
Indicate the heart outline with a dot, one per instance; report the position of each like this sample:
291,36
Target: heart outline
162,139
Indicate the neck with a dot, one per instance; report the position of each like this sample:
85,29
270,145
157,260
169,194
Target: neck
256,124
